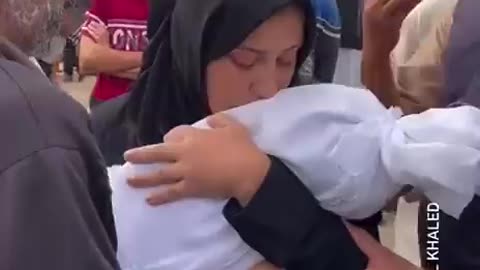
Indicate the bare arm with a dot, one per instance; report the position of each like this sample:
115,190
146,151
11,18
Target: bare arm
95,58
378,78
264,266
131,74
381,27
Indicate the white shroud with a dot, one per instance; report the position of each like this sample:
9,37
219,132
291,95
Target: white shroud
351,152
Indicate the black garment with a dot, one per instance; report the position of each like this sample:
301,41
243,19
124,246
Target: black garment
55,209
47,68
285,224
460,239
325,56
69,57
351,13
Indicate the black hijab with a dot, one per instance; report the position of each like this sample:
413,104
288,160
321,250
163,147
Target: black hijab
171,88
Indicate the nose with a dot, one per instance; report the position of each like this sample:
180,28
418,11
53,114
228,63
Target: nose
266,85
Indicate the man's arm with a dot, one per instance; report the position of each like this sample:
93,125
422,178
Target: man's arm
95,58
286,225
381,29
48,218
377,76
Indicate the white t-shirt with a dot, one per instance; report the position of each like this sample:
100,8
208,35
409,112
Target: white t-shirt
351,152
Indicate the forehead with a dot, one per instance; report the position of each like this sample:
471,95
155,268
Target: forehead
284,29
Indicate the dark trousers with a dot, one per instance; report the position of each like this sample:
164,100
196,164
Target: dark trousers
46,68
69,58
325,55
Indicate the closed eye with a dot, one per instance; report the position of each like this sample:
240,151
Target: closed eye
288,58
244,58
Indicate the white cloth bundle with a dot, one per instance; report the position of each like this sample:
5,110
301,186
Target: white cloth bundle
351,152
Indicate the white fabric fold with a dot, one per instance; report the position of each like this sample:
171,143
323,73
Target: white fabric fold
351,152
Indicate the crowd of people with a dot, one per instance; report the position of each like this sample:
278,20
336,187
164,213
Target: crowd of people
163,65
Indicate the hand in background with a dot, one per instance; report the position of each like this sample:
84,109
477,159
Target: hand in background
382,20
100,33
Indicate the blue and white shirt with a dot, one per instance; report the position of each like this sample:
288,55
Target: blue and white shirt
328,17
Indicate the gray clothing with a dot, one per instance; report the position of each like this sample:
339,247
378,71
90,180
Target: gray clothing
55,210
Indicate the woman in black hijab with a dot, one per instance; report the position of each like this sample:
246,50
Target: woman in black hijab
211,55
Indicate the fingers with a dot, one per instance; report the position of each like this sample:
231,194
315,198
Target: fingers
178,134
153,154
97,30
170,194
169,175
364,241
93,34
222,120
97,27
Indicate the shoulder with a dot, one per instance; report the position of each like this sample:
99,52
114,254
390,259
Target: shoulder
106,115
327,13
34,114
110,129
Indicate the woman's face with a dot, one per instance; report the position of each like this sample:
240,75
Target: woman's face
262,65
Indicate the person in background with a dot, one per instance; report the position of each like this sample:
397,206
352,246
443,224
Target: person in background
453,44
418,71
53,56
321,63
48,57
348,67
55,207
417,60
113,40
382,21
460,239
70,53
70,58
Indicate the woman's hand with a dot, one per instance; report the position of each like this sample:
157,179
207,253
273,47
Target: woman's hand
222,162
380,257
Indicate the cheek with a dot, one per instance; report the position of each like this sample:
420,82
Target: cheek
285,77
227,86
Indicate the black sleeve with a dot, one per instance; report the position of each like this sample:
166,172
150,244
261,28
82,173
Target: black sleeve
284,223
459,246
48,219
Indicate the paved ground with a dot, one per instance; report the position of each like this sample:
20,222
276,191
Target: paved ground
400,235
